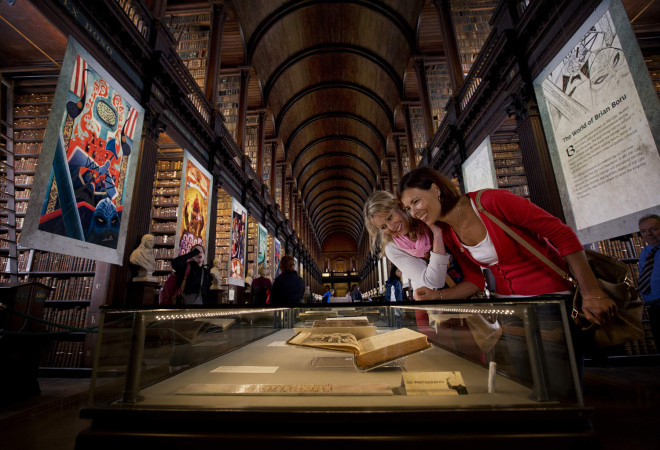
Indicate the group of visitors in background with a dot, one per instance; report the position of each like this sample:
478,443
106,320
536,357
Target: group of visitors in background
441,240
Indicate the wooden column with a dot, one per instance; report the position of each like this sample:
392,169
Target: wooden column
543,190
261,143
283,193
273,167
449,43
218,16
427,115
397,152
409,136
390,175
242,108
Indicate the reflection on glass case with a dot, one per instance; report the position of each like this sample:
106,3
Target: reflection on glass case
505,371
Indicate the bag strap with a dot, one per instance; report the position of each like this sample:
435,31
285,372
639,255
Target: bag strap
449,282
185,277
521,241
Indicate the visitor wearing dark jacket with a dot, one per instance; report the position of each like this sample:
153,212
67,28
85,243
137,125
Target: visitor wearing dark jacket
288,287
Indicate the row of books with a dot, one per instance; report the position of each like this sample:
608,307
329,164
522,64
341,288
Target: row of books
627,247
189,18
64,354
163,227
164,253
24,164
32,110
511,170
56,262
169,165
165,239
31,122
164,212
20,207
166,191
72,317
166,201
30,134
162,264
24,179
171,183
34,98
70,288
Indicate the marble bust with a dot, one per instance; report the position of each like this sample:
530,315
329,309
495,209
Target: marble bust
144,258
216,274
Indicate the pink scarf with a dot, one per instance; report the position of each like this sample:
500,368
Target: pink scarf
418,248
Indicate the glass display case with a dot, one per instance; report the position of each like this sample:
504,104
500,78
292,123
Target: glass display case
504,371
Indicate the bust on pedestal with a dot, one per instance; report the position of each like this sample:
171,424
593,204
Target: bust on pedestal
216,274
143,257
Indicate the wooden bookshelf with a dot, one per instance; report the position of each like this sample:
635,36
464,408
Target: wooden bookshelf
509,168
223,240
165,204
229,89
191,33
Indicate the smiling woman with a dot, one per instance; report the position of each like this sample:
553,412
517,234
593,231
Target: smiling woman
416,249
478,242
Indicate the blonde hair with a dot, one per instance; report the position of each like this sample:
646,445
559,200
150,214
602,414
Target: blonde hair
382,202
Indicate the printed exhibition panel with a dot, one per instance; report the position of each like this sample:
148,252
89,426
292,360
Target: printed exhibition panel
277,255
479,168
262,255
83,186
194,212
597,104
238,243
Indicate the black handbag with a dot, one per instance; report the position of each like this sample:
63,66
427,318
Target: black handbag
613,278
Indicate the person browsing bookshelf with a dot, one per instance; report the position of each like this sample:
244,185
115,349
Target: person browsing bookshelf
478,242
416,248
649,270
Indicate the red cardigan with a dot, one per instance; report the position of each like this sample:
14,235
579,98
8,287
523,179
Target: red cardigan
518,272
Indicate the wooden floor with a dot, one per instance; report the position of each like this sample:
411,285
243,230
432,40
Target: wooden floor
626,401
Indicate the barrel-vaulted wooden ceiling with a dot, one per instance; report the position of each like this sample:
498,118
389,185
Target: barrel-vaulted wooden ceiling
332,76
332,73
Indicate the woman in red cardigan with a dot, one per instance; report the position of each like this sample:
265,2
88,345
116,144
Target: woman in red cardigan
478,242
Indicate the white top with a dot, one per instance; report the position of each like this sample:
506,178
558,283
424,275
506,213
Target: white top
431,275
484,252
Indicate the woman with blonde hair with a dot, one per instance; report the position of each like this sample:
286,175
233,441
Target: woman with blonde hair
416,249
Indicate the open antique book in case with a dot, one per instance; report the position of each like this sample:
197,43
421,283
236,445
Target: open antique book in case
508,362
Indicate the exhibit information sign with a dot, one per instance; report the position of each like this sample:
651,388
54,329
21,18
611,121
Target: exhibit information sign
596,101
479,169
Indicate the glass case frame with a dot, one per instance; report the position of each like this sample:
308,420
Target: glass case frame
158,373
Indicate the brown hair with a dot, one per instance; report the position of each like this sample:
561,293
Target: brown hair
423,178
287,262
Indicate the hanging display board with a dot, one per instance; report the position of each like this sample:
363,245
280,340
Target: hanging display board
238,243
194,212
276,257
262,253
83,185
479,169
600,115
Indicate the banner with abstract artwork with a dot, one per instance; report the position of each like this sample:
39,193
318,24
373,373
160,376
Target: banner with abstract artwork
277,255
194,211
238,243
598,106
83,186
262,254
